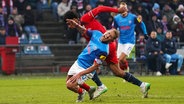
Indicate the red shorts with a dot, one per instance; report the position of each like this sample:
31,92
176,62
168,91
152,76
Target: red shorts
112,57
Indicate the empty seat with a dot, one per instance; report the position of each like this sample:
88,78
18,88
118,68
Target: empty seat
23,39
44,50
34,38
30,50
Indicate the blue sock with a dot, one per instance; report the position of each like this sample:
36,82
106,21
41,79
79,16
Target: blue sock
96,79
130,78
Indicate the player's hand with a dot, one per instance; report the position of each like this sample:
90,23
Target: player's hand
146,37
122,9
71,23
75,77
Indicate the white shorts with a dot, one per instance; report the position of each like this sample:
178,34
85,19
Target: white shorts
125,48
75,68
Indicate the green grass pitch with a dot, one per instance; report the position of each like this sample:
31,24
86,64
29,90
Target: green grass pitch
52,90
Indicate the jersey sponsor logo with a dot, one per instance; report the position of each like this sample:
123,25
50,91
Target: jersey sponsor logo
102,57
125,27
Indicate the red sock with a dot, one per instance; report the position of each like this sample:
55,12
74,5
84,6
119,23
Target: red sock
124,65
85,86
80,90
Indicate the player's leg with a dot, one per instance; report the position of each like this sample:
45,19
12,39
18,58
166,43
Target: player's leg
79,86
122,52
101,87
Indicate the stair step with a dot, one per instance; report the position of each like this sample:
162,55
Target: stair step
49,24
54,41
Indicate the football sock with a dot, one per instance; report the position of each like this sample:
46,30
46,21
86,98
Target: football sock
85,86
123,65
80,90
130,78
96,79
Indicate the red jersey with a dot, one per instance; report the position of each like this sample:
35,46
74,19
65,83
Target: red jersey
89,21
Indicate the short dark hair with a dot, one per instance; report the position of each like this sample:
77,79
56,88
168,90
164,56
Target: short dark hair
70,15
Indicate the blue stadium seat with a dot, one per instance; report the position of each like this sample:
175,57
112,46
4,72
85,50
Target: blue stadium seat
23,39
30,50
44,50
34,38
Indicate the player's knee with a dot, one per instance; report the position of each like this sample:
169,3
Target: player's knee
69,85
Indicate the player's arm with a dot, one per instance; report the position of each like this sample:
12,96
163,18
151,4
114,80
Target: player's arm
89,16
138,20
72,24
86,33
88,70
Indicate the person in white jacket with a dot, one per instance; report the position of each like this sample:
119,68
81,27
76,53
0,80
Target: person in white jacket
63,7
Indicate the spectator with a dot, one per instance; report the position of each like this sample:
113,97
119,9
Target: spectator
88,7
180,12
54,6
19,19
160,35
80,5
168,12
140,47
7,6
3,17
165,24
2,35
93,3
40,6
154,54
153,24
63,7
12,28
156,11
178,28
169,49
21,5
29,24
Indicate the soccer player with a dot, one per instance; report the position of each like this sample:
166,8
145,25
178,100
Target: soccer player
119,73
89,21
89,60
125,23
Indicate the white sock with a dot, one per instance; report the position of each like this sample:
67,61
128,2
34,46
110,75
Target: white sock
142,85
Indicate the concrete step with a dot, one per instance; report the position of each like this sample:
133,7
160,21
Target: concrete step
55,41
53,36
48,23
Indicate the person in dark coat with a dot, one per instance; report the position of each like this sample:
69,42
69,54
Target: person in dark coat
169,49
154,54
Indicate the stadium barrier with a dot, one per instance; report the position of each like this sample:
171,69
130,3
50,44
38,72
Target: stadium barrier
62,56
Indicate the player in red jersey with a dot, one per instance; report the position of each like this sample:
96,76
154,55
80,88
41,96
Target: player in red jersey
88,20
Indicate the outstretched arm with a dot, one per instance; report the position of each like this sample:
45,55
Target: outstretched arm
72,24
88,17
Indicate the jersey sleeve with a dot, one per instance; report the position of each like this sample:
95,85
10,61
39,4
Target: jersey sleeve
88,34
89,16
142,24
100,58
114,24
